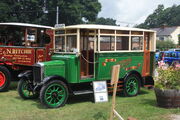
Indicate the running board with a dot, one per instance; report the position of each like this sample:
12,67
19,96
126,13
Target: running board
83,92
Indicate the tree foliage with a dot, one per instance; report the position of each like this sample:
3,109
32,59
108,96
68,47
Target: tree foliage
104,21
161,16
33,11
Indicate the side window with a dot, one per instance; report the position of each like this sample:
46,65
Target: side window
122,43
71,43
60,44
46,38
107,43
136,43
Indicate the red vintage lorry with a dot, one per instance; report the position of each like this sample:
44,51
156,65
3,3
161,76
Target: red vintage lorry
21,46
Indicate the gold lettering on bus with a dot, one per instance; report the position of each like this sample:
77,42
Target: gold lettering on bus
124,63
18,51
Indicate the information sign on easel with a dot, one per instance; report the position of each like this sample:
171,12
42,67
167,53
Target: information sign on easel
100,91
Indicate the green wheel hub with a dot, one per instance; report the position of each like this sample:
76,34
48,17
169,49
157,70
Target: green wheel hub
132,85
55,95
25,89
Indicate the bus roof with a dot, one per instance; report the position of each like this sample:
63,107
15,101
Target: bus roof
26,25
93,26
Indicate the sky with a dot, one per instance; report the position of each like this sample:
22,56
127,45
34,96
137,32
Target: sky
131,11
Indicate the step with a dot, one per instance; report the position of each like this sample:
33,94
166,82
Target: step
82,92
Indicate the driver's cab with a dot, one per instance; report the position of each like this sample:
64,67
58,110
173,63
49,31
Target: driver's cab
15,38
74,40
24,35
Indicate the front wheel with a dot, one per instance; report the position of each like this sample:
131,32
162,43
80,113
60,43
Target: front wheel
5,78
25,89
131,85
54,94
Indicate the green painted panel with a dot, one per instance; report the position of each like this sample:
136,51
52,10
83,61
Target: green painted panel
68,66
72,70
128,62
56,67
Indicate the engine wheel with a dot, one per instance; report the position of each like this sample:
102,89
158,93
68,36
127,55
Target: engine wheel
54,94
131,85
25,89
5,78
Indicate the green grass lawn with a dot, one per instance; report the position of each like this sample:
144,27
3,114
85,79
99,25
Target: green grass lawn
142,107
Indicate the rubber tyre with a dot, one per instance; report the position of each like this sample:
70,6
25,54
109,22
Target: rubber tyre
21,90
46,87
7,76
130,86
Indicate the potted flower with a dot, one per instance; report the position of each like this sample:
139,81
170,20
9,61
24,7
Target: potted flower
167,87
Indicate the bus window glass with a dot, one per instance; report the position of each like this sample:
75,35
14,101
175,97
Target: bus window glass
71,43
107,43
122,43
31,35
59,44
136,43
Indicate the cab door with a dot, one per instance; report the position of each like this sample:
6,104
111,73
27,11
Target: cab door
87,54
146,63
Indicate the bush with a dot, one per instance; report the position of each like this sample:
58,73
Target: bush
168,78
165,45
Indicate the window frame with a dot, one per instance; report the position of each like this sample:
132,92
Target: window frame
65,40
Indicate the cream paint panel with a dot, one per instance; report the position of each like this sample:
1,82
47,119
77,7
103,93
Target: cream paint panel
175,34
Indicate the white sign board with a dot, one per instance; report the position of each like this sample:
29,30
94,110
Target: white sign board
100,91
59,26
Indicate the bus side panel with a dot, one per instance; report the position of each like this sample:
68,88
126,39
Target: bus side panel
20,56
152,63
127,61
40,55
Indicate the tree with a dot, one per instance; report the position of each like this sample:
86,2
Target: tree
31,11
160,17
104,21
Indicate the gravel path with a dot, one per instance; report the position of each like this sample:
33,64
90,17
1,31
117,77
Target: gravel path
174,117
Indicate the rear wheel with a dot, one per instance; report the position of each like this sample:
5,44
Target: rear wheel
25,89
131,85
54,94
5,78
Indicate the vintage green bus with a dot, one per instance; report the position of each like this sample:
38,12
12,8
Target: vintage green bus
86,53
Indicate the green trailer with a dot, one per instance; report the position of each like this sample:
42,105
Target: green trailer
86,53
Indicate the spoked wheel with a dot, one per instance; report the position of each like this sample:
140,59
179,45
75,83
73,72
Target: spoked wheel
5,78
131,85
25,89
54,94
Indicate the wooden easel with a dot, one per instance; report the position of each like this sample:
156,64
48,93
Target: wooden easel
114,81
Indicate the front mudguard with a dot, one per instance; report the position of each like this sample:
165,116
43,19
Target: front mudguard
50,78
26,74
